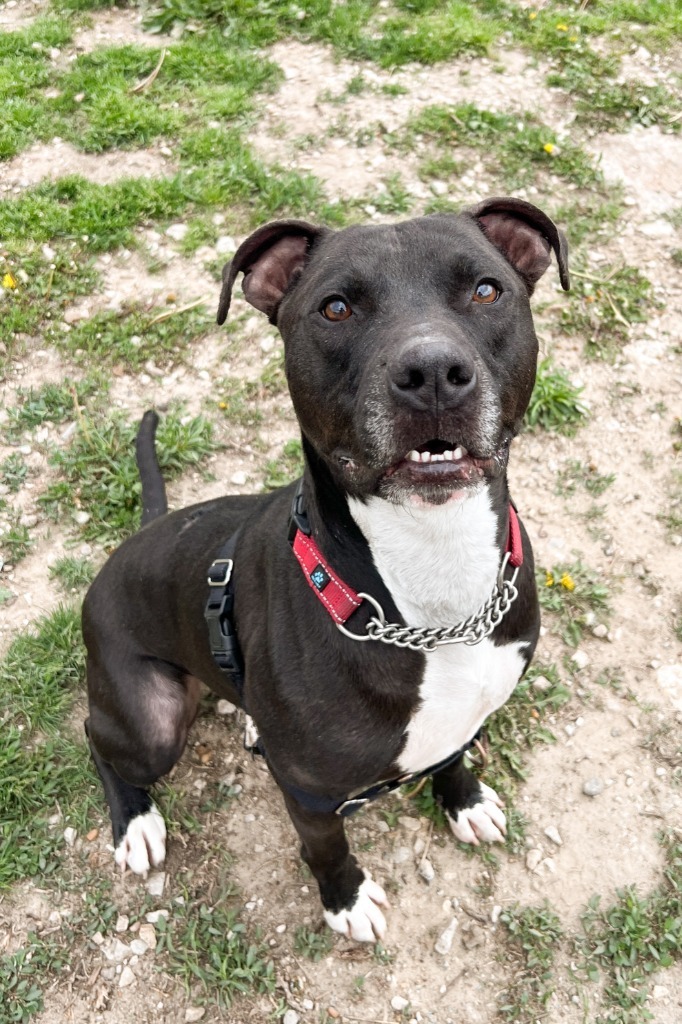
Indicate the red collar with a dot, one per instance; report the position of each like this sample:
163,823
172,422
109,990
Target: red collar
338,598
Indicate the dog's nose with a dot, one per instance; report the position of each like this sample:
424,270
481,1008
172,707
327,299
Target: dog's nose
432,376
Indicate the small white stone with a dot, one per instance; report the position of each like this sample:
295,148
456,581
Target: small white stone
224,707
426,871
138,947
225,244
147,934
70,836
82,517
177,231
411,824
444,943
122,922
552,832
660,992
533,858
156,883
280,929
194,1013
153,916
127,978
541,683
116,951
399,1003
495,913
601,631
290,1017
239,478
580,659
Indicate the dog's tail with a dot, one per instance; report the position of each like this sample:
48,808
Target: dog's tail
154,501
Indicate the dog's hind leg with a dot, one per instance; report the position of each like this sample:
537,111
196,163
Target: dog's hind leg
474,810
134,743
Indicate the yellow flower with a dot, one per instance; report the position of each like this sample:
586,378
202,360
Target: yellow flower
9,281
533,15
573,39
549,580
566,581
548,147
222,405
561,27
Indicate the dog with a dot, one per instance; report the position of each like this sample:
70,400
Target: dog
371,616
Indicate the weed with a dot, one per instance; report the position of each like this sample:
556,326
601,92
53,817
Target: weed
518,726
133,337
312,944
575,595
555,403
634,938
578,474
602,307
516,147
100,477
15,540
279,472
535,934
22,976
72,572
394,198
207,948
13,472
53,403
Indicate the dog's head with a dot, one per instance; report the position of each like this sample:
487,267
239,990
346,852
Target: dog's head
409,349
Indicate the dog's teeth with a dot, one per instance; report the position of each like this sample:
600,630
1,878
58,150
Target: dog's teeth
459,453
437,458
426,456
448,456
414,456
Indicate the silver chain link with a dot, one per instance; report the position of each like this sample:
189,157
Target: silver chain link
420,638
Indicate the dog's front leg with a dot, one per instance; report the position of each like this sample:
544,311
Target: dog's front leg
350,898
474,810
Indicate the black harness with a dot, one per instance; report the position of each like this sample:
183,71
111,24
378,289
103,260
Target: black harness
219,615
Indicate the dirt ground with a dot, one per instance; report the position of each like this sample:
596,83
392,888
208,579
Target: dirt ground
628,743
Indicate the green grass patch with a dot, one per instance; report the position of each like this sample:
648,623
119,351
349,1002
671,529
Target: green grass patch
583,475
516,148
99,474
13,472
15,540
73,572
53,403
22,978
535,935
133,337
633,939
289,466
555,403
207,948
603,305
577,596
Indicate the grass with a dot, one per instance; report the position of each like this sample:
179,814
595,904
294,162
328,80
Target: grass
515,148
633,939
208,950
99,481
13,472
576,596
313,945
603,305
535,934
15,540
72,572
54,403
555,404
577,474
43,770
288,467
22,977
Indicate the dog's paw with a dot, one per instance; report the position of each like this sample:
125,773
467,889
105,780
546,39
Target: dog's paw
144,844
484,821
364,921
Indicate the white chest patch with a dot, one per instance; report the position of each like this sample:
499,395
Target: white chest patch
440,564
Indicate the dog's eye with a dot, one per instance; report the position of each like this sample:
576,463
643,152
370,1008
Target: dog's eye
336,309
486,292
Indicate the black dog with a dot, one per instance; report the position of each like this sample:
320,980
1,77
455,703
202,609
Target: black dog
406,612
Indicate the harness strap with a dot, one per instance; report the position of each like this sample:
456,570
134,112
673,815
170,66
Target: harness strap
219,615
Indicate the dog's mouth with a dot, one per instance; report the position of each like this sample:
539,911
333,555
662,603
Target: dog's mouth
440,462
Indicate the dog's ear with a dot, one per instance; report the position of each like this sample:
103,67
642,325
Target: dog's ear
524,235
270,258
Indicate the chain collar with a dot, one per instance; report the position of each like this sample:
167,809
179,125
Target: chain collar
420,638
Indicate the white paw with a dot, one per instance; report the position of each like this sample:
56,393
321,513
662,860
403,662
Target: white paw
363,922
144,844
484,821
